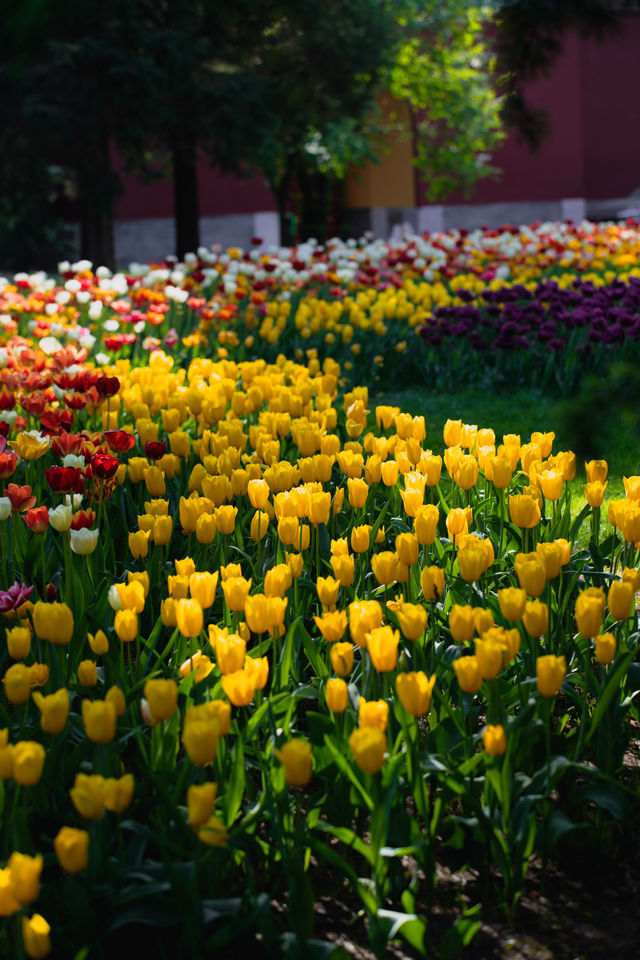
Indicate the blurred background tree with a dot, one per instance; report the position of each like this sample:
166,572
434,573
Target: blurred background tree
287,87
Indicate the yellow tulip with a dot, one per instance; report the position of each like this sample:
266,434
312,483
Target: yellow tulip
28,761
462,622
189,617
200,801
605,648
536,618
162,698
414,690
412,619
468,675
336,695
494,740
382,644
368,746
297,761
513,601
550,674
341,655
589,610
72,849
99,719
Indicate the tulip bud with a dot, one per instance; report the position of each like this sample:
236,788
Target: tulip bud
200,801
494,740
620,599
162,698
368,746
467,670
550,674
414,690
28,761
336,694
297,760
72,849
382,644
341,655
99,719
536,618
36,936
462,622
589,610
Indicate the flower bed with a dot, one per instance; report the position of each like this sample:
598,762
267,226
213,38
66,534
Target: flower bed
258,635
541,305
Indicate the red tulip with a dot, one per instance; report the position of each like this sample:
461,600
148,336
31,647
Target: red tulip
37,519
119,440
104,466
82,519
62,479
155,449
20,497
107,386
8,464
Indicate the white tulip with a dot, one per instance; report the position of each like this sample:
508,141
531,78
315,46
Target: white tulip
114,598
84,541
60,518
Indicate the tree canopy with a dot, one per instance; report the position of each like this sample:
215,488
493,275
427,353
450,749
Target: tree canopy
287,87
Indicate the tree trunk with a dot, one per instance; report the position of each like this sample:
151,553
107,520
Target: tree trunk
97,187
96,238
281,189
315,187
185,197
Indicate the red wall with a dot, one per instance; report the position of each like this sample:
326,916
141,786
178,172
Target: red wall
220,194
593,146
611,112
592,151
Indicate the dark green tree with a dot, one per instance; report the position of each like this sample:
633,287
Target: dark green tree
528,41
84,75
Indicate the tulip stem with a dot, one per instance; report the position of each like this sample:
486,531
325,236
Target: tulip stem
501,501
44,572
18,939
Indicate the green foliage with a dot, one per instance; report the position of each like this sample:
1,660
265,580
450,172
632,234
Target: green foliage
444,71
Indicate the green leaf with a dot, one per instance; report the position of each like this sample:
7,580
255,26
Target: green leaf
235,787
150,914
345,767
319,666
286,658
342,867
349,838
311,949
607,797
461,933
611,688
559,826
410,926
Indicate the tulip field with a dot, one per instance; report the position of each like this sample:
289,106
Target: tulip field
267,643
